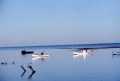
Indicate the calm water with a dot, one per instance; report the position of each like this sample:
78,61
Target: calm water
60,66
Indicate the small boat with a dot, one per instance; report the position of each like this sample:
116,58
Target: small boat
24,52
116,53
43,54
83,52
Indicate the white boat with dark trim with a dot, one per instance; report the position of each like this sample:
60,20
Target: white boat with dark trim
83,52
116,53
43,54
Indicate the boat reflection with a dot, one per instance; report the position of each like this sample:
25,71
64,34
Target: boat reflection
42,58
83,56
31,75
115,56
83,53
23,74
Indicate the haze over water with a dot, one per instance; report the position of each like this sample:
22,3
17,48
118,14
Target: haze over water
58,22
61,65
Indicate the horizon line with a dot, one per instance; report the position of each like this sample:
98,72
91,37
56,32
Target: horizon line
59,45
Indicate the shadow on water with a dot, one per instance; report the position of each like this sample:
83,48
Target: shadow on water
23,74
116,56
82,56
42,58
31,75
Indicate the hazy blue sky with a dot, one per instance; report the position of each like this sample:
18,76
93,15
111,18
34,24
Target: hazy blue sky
51,22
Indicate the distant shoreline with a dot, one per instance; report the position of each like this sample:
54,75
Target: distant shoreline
71,46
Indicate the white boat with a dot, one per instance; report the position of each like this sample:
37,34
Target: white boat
43,54
83,52
80,53
116,53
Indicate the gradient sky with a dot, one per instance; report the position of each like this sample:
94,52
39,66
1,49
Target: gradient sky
58,22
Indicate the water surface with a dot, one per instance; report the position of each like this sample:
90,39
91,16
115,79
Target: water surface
61,65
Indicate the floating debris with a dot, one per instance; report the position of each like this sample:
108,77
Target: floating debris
13,62
31,75
5,63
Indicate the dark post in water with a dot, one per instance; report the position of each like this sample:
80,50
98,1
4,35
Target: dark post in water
22,67
31,68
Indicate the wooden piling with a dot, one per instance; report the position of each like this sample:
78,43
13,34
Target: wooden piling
31,68
22,67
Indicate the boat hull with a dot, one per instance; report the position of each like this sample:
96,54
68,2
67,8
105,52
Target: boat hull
25,52
116,53
79,53
83,52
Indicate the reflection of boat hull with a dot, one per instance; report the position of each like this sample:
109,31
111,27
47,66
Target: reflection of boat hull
79,53
39,56
116,53
84,55
76,55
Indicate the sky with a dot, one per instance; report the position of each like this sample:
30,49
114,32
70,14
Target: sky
59,22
